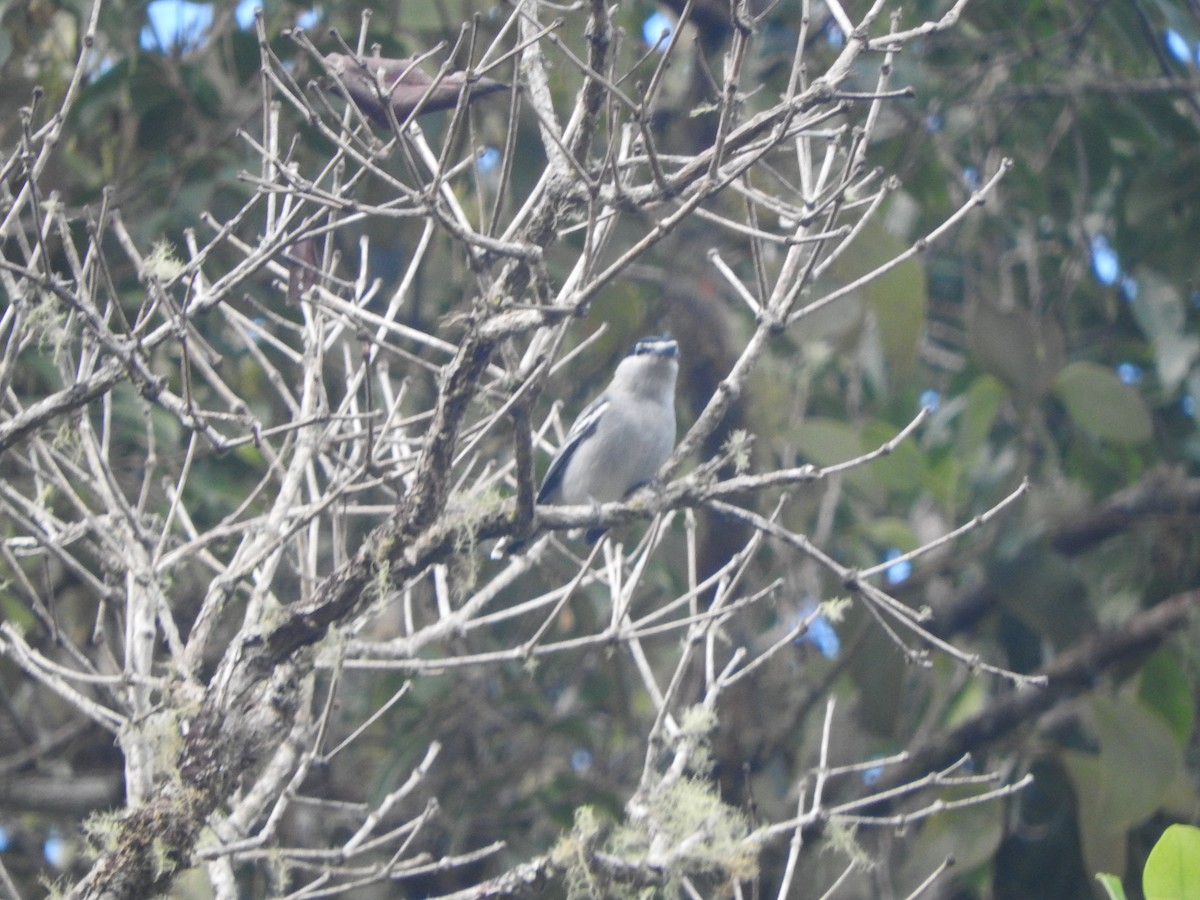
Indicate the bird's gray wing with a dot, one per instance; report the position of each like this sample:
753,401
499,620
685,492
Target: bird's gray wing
403,83
583,426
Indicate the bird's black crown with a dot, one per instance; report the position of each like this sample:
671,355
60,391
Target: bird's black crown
656,345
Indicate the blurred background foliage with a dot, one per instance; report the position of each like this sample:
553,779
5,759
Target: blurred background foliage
1053,335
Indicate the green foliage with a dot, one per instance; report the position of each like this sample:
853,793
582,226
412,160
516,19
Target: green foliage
572,850
1173,869
1112,886
971,835
161,857
738,447
834,609
1101,404
1126,781
699,833
842,838
100,829
696,835
826,442
163,262
1003,318
1165,688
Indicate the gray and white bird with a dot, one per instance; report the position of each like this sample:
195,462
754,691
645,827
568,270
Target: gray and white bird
621,438
376,82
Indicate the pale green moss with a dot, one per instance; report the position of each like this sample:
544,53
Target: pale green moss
161,263
737,447
691,815
843,838
834,609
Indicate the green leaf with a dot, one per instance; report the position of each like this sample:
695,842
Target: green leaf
1099,402
945,481
880,671
246,55
968,702
1128,780
1173,870
891,531
825,442
1165,689
17,613
150,87
1024,583
905,469
1175,355
440,17
983,402
1159,311
969,834
1101,838
1023,350
1138,756
896,299
1112,885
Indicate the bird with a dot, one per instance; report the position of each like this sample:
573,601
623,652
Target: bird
622,438
368,80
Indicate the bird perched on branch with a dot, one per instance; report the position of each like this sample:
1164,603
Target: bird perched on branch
621,438
373,83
